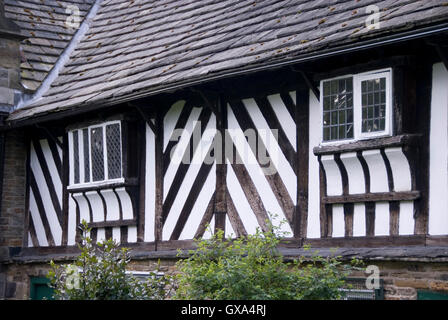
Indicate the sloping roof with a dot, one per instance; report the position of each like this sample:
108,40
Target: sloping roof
135,47
43,22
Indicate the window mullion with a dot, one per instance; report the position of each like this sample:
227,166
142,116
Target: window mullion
121,150
81,156
106,171
71,158
90,154
357,107
389,92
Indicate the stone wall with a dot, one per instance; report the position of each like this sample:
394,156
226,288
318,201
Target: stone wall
401,279
15,278
12,215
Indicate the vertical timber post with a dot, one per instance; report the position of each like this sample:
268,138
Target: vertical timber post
302,138
220,205
65,181
159,179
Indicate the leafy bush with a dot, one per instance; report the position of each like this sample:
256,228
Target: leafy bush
99,273
251,268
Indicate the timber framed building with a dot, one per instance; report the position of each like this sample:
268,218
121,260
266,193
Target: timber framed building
137,116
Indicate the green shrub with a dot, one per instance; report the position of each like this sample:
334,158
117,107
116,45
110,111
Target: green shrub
251,268
99,273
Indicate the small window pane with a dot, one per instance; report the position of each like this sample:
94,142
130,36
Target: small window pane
334,133
326,118
342,116
349,116
338,106
341,131
326,88
334,87
327,134
85,135
349,130
373,105
75,156
382,124
113,138
326,104
334,118
96,139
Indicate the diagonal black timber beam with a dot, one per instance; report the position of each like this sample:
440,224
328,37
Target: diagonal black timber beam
440,43
144,116
50,135
442,51
308,82
210,99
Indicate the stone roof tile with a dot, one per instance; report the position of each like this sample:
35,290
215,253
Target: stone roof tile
136,48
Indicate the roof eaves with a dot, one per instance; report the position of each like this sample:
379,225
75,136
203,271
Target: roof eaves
63,57
324,53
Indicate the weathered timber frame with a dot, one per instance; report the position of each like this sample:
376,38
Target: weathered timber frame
412,94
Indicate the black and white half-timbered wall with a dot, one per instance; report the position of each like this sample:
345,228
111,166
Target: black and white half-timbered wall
159,124
348,165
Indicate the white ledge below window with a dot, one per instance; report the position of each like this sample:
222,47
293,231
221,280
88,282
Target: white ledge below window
96,185
367,144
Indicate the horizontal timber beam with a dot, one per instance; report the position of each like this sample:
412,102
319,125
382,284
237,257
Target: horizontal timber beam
373,197
362,145
116,223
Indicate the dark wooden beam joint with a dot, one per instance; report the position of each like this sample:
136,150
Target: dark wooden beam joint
210,98
443,54
441,46
50,135
308,82
145,117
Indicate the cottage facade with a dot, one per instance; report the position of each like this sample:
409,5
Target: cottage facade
153,120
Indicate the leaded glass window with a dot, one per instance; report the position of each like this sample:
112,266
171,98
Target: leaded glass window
76,156
113,139
356,106
96,153
338,109
373,105
85,135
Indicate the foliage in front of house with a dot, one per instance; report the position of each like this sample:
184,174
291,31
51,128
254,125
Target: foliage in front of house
251,268
99,273
248,268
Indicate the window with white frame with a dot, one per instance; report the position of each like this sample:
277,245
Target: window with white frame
356,106
96,154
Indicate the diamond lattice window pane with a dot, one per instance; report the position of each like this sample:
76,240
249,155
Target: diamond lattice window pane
85,133
113,139
75,156
96,140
